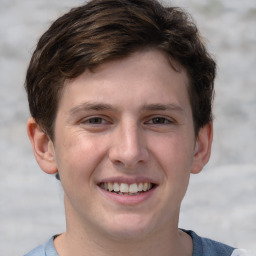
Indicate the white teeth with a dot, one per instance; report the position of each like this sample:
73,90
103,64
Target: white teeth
140,187
145,186
116,187
110,186
133,188
126,189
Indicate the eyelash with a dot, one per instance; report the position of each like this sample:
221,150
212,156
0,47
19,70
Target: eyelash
95,121
159,120
99,121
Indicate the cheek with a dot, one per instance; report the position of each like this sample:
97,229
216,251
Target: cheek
174,152
78,155
174,155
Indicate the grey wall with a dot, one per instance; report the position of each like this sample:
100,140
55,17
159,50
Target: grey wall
221,201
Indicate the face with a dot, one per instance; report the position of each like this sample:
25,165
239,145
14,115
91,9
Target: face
124,146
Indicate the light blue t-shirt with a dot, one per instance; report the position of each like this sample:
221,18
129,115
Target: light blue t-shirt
201,247
47,249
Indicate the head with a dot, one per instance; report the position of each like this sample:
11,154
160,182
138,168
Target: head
120,92
105,30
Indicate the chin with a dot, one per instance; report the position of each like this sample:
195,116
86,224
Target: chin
130,227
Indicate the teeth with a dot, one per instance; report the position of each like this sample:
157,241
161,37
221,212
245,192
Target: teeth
145,186
116,187
109,186
140,187
126,189
133,188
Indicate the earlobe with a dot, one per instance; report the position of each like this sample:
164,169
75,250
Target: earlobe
202,148
42,146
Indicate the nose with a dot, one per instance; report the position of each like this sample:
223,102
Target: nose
128,146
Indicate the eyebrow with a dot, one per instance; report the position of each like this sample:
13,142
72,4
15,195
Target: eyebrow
90,106
87,106
163,107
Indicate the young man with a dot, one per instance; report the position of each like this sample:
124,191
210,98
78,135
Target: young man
120,93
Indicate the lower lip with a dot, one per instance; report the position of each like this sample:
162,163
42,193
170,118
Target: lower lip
129,200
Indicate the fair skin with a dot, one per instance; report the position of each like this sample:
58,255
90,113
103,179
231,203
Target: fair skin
125,126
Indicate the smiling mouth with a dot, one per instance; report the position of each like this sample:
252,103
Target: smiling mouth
127,189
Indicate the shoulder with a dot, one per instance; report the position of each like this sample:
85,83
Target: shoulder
204,246
38,251
242,252
44,250
207,247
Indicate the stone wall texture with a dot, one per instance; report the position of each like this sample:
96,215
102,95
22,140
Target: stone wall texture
221,201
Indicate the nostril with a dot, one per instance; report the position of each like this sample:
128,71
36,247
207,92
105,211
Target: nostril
128,159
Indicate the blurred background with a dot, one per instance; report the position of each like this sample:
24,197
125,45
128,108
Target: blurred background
221,201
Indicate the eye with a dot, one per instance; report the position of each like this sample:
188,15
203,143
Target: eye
159,120
96,124
94,121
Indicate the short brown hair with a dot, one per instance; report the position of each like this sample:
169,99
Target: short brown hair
104,30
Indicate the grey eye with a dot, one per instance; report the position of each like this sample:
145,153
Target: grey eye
160,120
96,120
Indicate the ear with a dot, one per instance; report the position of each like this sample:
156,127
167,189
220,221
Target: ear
42,146
202,148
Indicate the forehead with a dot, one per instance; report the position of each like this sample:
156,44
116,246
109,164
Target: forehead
147,76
